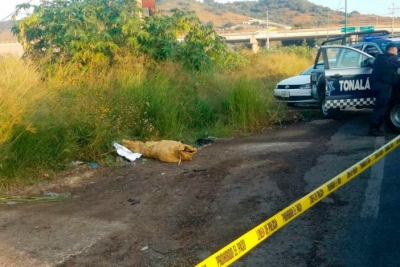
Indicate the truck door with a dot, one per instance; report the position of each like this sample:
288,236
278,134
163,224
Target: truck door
347,74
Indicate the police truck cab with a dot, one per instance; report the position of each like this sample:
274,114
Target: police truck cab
344,81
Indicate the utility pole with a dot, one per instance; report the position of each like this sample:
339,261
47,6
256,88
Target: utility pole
345,21
393,12
327,28
345,17
267,30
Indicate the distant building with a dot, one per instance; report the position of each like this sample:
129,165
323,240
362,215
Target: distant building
254,21
264,22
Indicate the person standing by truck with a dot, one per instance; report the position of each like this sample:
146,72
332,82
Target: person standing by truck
383,77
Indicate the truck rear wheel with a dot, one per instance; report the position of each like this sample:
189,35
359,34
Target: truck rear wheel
331,113
393,117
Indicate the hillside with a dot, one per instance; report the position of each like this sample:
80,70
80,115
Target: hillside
7,37
295,13
5,34
208,14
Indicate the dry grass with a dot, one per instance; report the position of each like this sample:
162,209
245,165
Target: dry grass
277,65
20,91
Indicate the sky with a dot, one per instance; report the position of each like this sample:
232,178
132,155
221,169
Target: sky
381,7
376,7
8,6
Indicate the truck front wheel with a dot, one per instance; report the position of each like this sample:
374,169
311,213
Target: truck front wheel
393,117
331,113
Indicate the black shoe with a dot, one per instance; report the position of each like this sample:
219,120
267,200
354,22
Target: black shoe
376,132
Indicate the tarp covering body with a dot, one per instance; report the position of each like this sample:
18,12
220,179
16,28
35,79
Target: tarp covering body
164,150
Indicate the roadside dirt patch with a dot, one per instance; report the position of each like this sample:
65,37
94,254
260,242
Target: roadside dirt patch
150,213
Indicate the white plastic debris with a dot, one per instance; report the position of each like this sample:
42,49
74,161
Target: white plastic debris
76,163
56,195
126,153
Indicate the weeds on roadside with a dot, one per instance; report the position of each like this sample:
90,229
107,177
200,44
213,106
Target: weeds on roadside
49,119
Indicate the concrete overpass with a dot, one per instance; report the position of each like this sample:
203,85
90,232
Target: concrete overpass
257,39
261,38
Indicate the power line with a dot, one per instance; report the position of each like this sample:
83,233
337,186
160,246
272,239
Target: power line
340,2
8,16
393,12
13,13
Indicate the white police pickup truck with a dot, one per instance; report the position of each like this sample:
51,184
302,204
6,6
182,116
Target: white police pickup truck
344,82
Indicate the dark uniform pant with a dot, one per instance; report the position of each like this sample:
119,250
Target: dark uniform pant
382,93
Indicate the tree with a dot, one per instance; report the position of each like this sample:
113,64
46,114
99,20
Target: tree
199,46
85,31
79,30
228,25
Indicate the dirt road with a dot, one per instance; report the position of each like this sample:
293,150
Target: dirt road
177,214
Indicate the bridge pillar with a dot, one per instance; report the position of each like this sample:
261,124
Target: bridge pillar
254,44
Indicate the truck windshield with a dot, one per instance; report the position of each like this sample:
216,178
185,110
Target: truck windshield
383,43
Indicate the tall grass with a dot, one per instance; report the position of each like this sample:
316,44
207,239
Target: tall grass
20,93
68,115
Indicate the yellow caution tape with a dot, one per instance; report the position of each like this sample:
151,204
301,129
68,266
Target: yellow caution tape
239,247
